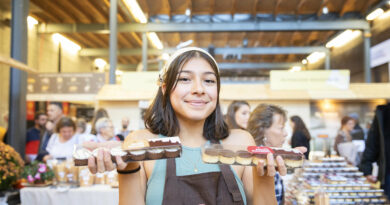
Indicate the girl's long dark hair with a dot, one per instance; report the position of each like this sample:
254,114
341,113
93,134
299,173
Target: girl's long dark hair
160,118
299,126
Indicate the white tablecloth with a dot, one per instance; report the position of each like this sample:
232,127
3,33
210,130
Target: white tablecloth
96,195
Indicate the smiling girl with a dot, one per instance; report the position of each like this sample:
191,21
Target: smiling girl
187,105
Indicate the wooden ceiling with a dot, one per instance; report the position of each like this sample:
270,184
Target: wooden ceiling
97,11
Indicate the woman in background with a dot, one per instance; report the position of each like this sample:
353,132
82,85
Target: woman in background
301,136
100,113
61,143
266,125
344,140
238,115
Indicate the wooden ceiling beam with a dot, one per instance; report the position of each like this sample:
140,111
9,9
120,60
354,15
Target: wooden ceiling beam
254,8
349,5
67,16
211,7
233,9
49,8
89,9
168,7
76,11
276,7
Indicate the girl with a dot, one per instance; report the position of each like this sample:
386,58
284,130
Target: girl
238,114
187,105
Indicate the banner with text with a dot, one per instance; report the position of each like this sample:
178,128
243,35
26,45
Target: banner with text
310,80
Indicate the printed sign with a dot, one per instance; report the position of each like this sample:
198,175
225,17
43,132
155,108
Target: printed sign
259,150
310,80
65,83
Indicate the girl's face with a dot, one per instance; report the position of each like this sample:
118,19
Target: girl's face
242,116
276,134
195,95
66,132
350,125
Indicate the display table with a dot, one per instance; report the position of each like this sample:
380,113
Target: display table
97,194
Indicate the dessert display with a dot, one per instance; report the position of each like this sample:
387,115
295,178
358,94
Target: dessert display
249,156
134,150
340,182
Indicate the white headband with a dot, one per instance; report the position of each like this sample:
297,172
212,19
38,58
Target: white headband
176,54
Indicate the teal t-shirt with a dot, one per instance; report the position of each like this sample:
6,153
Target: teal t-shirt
190,160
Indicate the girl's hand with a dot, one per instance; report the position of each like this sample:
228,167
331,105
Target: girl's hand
103,162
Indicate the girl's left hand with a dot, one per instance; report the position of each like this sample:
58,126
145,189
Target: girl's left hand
273,165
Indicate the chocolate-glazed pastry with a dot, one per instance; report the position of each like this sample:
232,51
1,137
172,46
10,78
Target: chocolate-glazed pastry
117,151
138,155
155,153
210,155
243,157
81,157
227,156
168,141
172,152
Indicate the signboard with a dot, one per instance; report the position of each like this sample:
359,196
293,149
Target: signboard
140,81
65,83
380,53
310,80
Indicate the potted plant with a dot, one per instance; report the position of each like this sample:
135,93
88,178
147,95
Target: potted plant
11,165
38,173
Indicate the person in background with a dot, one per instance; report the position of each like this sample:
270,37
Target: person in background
100,113
378,148
61,143
344,134
54,114
124,131
33,136
266,125
301,136
357,133
83,136
105,130
238,114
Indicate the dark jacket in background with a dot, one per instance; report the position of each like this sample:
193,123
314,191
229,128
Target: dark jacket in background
298,139
357,133
43,144
378,144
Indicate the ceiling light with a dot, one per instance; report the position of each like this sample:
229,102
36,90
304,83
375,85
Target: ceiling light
100,63
31,21
165,56
136,10
152,36
344,38
184,44
118,72
188,12
325,10
315,56
296,69
304,61
375,14
66,43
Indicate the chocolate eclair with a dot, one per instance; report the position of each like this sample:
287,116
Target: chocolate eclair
210,155
243,157
227,156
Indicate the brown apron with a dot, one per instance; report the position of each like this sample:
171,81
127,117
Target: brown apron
212,188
